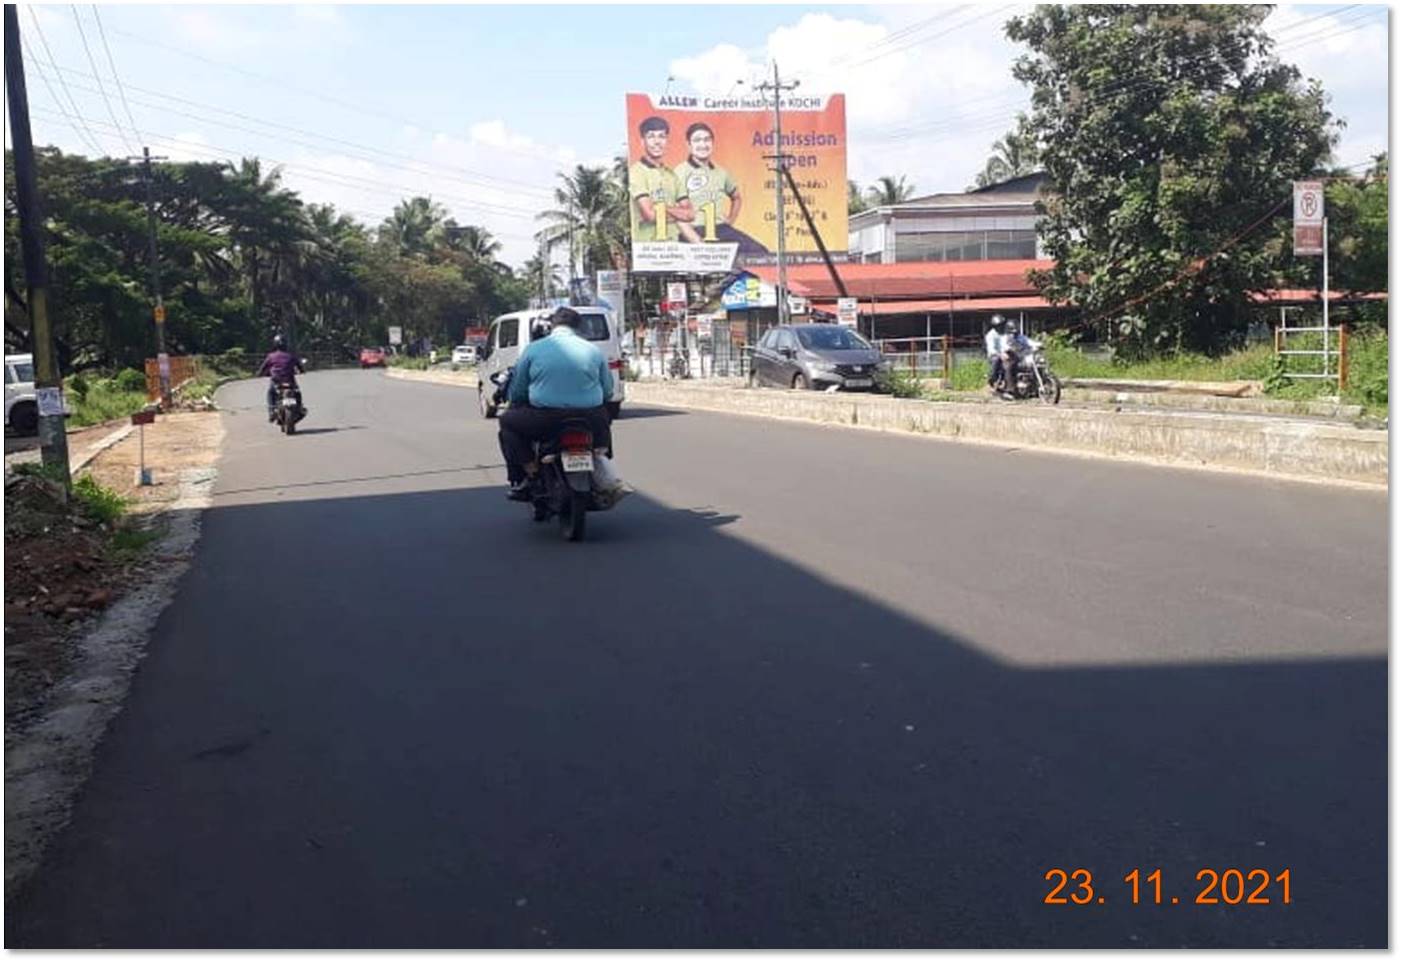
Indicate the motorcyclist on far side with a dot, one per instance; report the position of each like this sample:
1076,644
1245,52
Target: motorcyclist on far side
282,367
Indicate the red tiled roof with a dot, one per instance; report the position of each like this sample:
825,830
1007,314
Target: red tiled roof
913,279
1306,296
943,306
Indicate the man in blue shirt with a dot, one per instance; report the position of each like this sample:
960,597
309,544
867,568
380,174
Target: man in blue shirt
557,377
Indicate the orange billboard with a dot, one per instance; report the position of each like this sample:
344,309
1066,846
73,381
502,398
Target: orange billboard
701,180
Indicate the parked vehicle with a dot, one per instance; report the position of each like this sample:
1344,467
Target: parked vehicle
1032,378
816,357
510,333
464,354
563,487
373,357
21,403
288,410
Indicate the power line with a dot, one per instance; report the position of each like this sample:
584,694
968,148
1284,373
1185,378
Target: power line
482,180
115,76
304,143
284,86
100,89
29,52
91,138
350,181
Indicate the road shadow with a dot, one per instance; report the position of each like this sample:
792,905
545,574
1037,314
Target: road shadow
631,413
472,734
351,427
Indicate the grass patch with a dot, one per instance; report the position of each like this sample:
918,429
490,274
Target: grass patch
128,543
102,505
98,399
408,363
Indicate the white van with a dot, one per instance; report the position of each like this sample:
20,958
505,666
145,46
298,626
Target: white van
21,405
510,333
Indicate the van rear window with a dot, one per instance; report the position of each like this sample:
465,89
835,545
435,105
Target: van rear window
593,327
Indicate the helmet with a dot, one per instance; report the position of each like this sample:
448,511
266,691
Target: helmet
278,343
998,321
540,327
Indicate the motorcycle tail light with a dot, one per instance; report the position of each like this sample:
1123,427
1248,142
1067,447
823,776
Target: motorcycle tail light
576,441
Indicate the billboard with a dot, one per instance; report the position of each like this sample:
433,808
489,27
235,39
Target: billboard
701,180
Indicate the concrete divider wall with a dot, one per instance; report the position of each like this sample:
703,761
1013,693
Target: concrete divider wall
1267,445
1275,446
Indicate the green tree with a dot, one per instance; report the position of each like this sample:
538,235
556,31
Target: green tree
1167,134
888,191
1357,228
855,203
587,219
1013,155
415,227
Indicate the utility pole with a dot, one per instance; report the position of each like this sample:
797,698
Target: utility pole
53,436
779,89
162,358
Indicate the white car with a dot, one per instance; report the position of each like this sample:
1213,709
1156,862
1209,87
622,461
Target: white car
21,403
510,333
464,354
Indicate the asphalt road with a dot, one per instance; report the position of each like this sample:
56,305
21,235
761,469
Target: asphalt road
810,687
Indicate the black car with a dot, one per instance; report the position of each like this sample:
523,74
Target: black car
815,356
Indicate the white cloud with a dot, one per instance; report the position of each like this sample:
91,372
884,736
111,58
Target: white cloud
326,13
212,32
493,133
188,147
913,98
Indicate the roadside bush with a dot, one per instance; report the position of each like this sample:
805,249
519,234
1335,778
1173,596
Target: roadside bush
130,379
901,383
102,505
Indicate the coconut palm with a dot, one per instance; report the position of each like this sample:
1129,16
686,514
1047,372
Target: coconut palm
415,227
889,191
1012,156
476,242
587,219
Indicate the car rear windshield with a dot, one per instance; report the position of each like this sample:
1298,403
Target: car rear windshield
831,339
593,327
24,372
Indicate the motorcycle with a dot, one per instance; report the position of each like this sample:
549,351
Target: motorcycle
1032,377
563,486
288,410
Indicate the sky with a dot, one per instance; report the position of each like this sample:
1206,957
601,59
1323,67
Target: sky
481,107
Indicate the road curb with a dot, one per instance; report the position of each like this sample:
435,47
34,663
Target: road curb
1256,444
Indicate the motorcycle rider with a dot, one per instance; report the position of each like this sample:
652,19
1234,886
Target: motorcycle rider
995,342
282,368
1015,346
557,377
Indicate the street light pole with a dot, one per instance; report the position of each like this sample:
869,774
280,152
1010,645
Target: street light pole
779,89
162,359
53,437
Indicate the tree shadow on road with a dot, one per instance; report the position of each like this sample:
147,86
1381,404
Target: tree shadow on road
481,736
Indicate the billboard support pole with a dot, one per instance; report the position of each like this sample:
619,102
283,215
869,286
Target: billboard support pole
802,206
778,91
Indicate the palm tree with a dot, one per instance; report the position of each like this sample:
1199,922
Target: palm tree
544,279
587,219
415,227
889,191
855,203
267,225
476,242
1012,156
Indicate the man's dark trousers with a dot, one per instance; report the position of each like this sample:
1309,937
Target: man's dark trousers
521,426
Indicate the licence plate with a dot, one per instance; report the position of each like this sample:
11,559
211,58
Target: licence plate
577,461
858,382
289,402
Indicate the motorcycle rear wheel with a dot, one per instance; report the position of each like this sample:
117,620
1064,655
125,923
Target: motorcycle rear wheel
572,514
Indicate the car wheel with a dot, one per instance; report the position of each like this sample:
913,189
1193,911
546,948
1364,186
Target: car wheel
753,379
800,382
487,408
24,418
